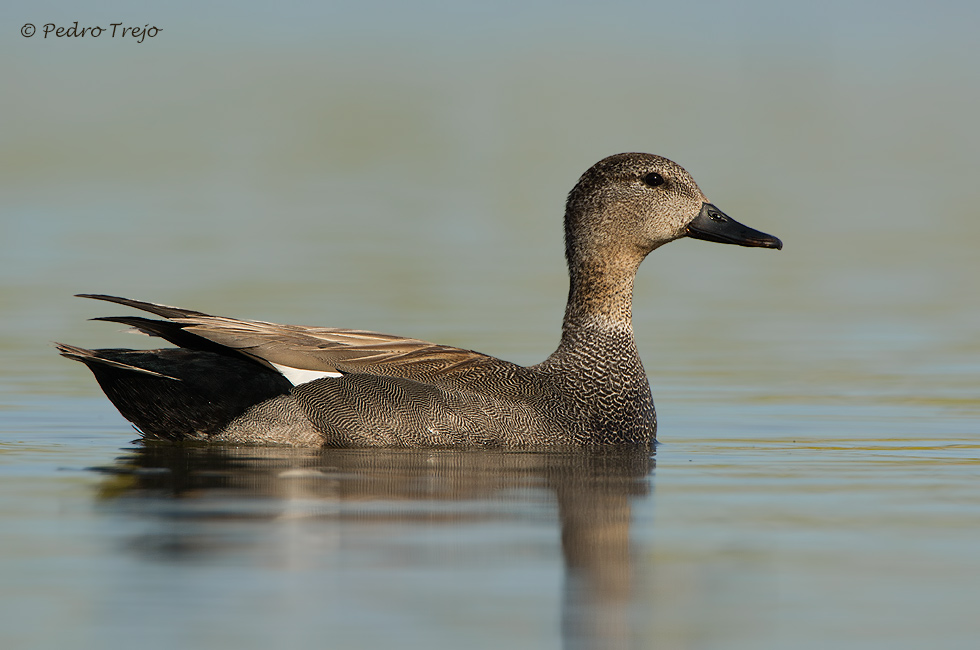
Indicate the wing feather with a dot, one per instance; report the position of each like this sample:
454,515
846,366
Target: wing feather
317,348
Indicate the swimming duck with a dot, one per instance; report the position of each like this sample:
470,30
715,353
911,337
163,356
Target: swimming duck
253,382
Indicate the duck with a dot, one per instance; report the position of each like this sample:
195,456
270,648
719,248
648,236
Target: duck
246,382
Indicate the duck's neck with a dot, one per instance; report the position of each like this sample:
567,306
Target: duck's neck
600,301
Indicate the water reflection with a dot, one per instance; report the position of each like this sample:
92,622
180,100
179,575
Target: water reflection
270,489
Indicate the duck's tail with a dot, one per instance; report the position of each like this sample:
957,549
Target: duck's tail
177,394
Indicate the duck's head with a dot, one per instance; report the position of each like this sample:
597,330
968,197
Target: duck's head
632,203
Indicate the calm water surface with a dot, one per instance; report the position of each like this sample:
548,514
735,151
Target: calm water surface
818,481
787,535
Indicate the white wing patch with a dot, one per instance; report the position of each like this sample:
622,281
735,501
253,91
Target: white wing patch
297,376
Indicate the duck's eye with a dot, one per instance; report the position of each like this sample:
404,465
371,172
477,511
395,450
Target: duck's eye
653,179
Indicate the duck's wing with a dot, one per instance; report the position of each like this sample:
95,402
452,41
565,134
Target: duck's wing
312,351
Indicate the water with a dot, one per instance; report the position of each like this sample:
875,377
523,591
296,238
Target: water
764,539
816,485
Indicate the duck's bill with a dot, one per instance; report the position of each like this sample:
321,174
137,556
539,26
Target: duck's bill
712,224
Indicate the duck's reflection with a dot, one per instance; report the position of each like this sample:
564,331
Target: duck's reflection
218,485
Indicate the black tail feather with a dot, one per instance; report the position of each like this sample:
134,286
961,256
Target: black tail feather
104,357
176,394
